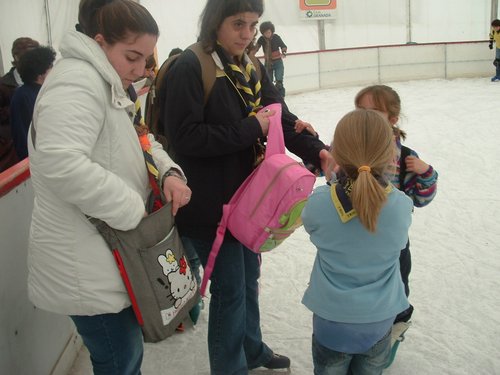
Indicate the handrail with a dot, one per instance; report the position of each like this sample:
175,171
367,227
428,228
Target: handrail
14,176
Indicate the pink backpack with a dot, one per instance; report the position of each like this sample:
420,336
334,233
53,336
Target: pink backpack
266,208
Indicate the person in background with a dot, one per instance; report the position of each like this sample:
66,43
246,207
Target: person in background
175,51
412,175
8,83
274,51
495,37
358,225
150,70
86,161
218,143
33,68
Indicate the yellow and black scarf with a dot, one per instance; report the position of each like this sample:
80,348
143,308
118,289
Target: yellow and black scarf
245,80
341,192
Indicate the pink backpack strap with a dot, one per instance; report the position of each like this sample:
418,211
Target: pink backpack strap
219,238
275,140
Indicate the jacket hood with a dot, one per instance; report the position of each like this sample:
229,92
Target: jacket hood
79,46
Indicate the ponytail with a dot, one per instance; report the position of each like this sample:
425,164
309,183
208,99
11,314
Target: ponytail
363,148
368,198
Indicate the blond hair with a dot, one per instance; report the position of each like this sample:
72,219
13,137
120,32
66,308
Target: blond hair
363,138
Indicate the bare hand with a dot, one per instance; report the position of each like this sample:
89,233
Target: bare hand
263,118
327,163
177,192
415,165
302,125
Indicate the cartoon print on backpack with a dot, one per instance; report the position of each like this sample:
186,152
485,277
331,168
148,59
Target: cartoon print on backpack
180,278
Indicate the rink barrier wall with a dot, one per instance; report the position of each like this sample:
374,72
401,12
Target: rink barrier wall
316,70
33,341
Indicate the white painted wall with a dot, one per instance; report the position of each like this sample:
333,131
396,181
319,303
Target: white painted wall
358,22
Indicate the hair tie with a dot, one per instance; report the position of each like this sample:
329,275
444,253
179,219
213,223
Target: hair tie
364,168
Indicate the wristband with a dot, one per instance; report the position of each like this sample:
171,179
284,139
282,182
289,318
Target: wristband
175,173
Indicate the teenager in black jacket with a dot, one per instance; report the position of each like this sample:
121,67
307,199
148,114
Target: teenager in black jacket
217,143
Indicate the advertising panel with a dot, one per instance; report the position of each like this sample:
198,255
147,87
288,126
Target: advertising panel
317,9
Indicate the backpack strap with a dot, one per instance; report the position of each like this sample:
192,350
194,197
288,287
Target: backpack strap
208,76
275,140
219,238
152,115
405,151
208,69
208,72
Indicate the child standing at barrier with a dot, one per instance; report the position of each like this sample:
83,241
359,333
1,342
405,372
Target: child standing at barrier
274,50
413,176
495,37
358,225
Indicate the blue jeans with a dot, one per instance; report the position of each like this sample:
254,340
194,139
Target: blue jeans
113,340
331,362
194,260
234,336
277,70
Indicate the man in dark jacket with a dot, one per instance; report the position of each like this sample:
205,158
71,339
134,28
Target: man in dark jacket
34,66
8,84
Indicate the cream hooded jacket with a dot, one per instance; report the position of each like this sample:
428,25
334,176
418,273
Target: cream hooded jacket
86,160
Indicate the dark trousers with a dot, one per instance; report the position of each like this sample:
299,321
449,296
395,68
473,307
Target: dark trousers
234,335
405,268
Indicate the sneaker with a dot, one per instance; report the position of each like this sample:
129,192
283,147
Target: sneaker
495,79
277,361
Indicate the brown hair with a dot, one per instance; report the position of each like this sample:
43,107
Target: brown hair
216,11
363,138
35,62
115,19
386,99
264,26
20,46
150,62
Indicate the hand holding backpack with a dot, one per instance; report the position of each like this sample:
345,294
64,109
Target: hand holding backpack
266,208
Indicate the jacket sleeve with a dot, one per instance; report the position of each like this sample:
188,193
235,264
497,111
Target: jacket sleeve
20,119
281,44
162,160
304,144
421,188
184,115
69,119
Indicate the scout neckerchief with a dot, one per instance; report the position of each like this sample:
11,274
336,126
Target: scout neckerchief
142,132
246,81
247,85
341,192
